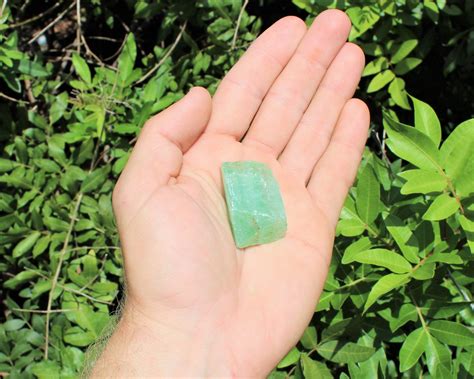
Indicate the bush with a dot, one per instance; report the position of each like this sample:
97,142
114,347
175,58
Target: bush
73,100
397,299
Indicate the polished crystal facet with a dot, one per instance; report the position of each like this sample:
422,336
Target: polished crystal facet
254,202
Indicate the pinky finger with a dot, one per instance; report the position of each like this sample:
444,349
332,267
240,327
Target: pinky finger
334,173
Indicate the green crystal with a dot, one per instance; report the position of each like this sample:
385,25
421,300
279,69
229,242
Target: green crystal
254,202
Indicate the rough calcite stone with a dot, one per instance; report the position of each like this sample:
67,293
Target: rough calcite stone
256,210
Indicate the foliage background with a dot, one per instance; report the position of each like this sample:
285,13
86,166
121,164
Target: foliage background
79,78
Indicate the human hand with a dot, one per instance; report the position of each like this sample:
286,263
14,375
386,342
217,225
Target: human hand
196,305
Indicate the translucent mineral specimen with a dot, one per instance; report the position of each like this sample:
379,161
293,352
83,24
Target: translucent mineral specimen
256,210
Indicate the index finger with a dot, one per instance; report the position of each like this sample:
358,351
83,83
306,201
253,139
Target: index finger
242,90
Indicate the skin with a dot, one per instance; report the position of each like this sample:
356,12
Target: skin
196,305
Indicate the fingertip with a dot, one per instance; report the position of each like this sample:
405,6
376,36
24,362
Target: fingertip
292,22
360,109
289,26
357,51
335,19
200,91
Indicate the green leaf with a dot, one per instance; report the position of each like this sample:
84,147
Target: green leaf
355,248
32,69
397,91
81,67
425,271
46,370
7,221
126,60
437,355
14,324
19,278
56,224
422,181
384,258
41,245
468,227
340,352
426,120
441,208
450,258
412,348
403,50
335,330
58,108
451,333
404,238
368,195
406,65
26,244
457,154
350,227
384,285
78,337
289,359
47,165
309,339
95,179
313,369
7,165
407,312
380,80
412,145
375,66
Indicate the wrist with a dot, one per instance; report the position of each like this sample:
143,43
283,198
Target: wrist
150,346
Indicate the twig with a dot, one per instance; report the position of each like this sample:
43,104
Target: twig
119,49
94,247
239,20
58,271
102,38
165,57
78,31
90,52
11,98
102,265
51,24
34,18
464,294
42,310
4,4
29,92
382,146
69,289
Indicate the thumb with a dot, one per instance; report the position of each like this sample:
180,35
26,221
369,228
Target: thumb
158,154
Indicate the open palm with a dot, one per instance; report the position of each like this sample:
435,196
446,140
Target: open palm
287,103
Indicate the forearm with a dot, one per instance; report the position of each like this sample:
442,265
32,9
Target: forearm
139,347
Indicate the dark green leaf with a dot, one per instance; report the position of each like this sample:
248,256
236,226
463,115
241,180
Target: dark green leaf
368,195
344,352
95,179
